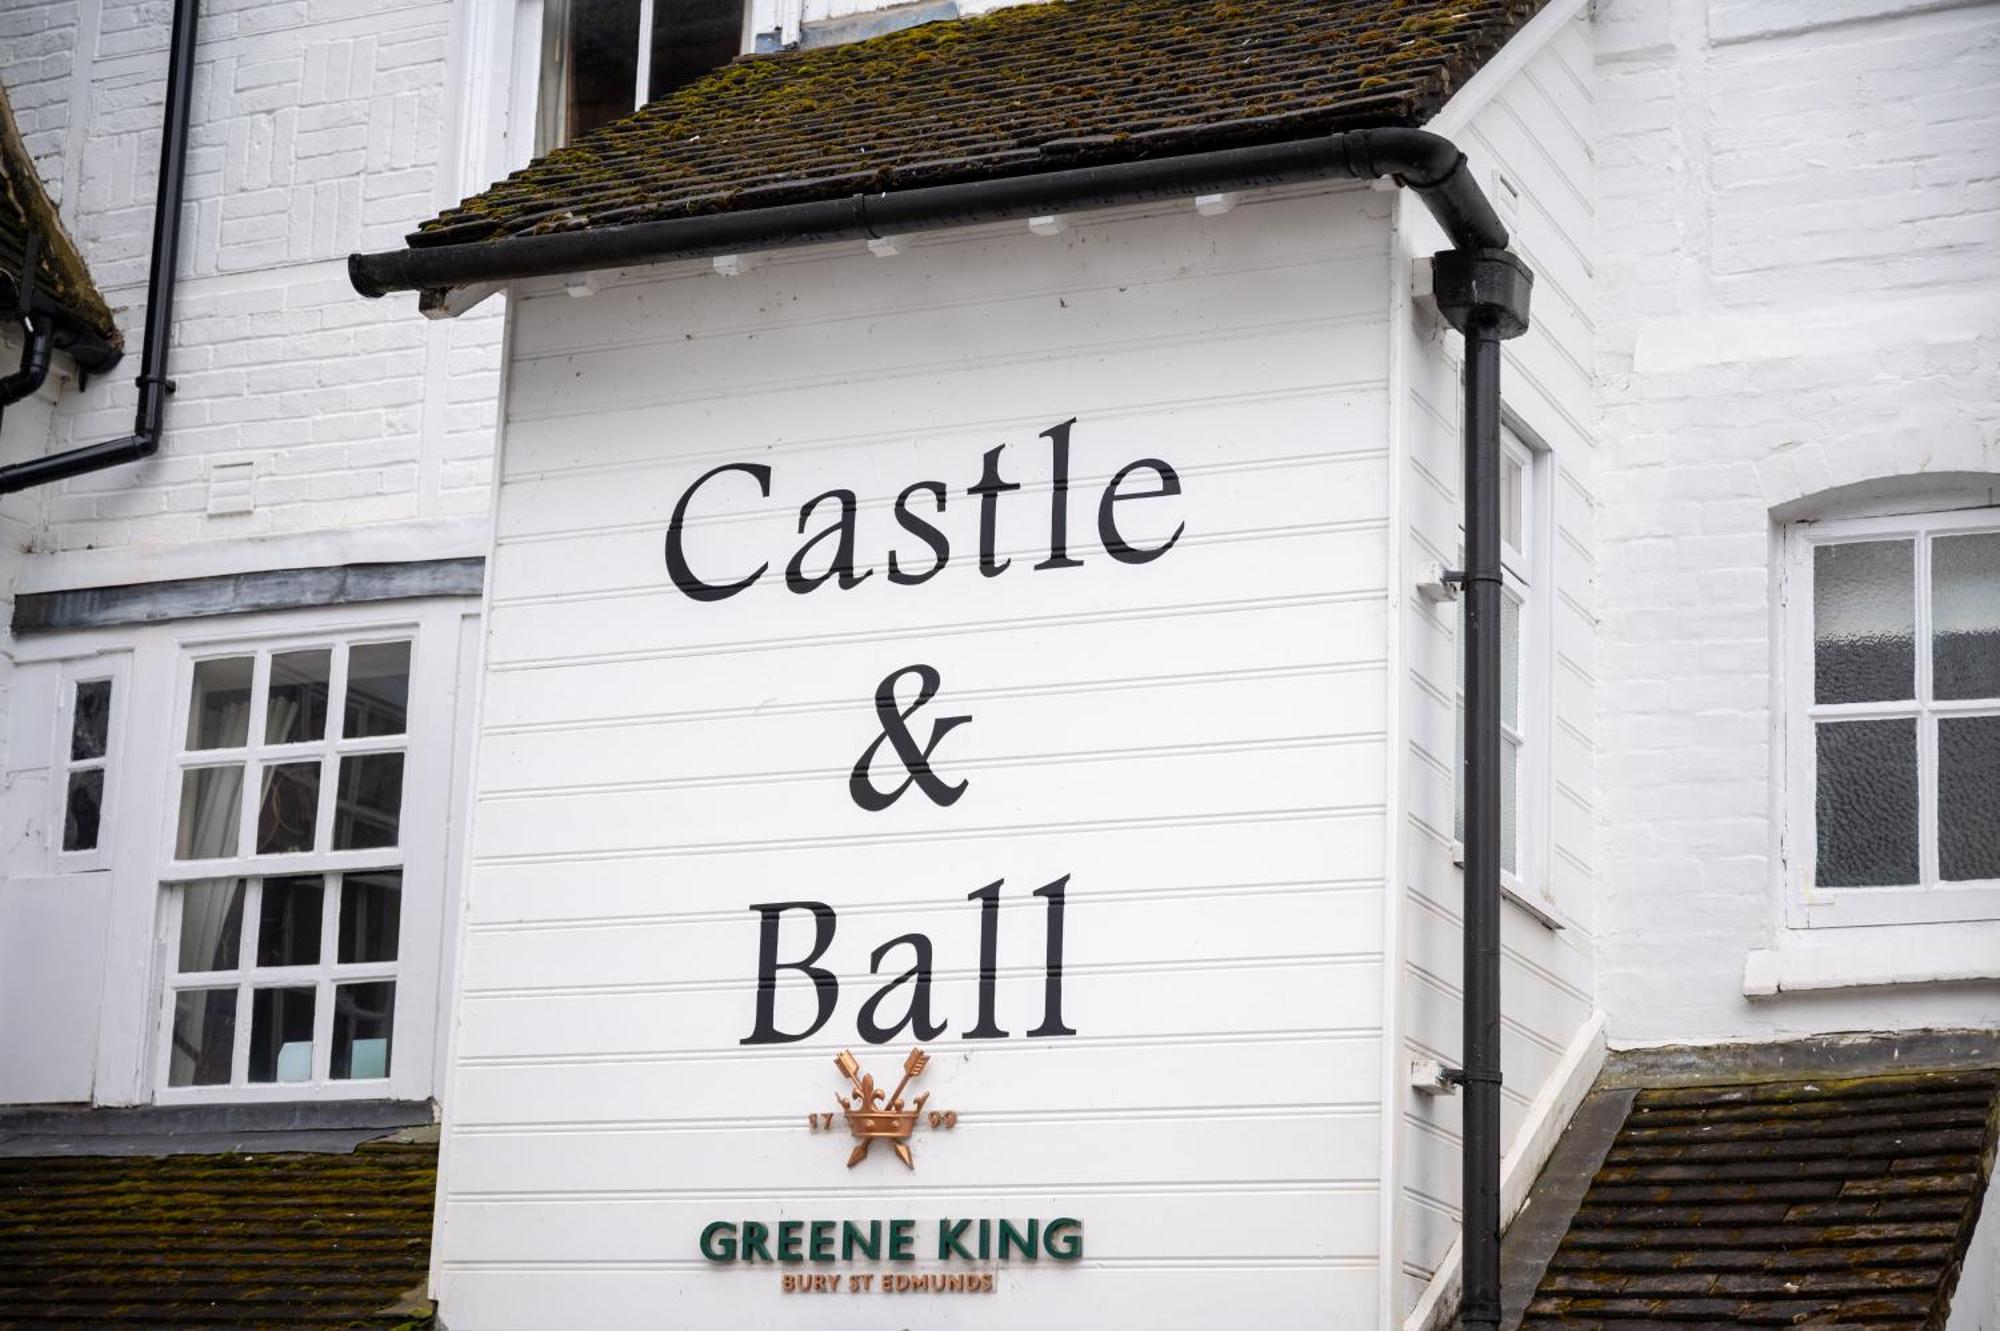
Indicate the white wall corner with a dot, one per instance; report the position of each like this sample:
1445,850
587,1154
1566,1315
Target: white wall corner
1547,1119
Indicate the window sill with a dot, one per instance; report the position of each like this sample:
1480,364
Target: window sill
1871,958
1512,889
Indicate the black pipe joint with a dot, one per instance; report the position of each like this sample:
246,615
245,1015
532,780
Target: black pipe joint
1483,291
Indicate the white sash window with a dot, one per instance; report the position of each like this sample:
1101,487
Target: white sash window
1893,739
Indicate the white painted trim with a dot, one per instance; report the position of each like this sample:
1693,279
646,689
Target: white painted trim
447,538
1496,73
456,927
1397,778
1925,954
1546,1121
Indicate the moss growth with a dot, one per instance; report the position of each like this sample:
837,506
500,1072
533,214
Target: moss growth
981,97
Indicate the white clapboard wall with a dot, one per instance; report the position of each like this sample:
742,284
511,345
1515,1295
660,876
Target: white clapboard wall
1198,742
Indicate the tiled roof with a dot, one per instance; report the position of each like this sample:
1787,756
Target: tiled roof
1810,1203
1022,90
293,1240
24,207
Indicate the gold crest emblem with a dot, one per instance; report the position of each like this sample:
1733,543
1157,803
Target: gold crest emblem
873,1116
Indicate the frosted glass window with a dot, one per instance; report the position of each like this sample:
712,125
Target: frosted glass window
1968,798
1864,621
1867,803
1965,616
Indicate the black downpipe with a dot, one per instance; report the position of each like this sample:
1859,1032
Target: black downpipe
1483,294
39,332
154,385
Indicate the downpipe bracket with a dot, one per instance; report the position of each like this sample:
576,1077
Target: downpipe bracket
1483,291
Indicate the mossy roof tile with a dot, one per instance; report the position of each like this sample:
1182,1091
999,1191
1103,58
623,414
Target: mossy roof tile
235,1240
1025,89
1743,1229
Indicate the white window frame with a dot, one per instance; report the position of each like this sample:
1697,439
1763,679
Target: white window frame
428,745
74,672
1927,901
1522,571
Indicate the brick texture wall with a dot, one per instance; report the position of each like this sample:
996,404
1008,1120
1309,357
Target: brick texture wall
1799,273
319,127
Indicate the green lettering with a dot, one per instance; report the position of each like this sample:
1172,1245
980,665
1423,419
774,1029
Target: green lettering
948,1244
718,1242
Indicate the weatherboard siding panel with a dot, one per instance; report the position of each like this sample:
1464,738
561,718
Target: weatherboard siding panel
1097,723
1245,639
731,1084
1197,742
1239,924
623,1297
1299,1148
1302,995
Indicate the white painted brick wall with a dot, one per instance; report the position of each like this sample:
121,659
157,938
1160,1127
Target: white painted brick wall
319,128
1799,271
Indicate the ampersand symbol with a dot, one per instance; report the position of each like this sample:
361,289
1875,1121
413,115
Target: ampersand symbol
895,729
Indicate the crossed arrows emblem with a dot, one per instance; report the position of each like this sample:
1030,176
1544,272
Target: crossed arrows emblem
871,1117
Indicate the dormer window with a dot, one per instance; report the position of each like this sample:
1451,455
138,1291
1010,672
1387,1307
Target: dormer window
604,59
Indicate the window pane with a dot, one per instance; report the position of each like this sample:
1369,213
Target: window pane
219,713
288,922
1965,616
211,810
204,1037
369,802
364,1017
295,709
1968,798
1510,661
691,37
371,915
82,808
1513,505
281,1032
211,925
590,62
1867,803
1510,764
288,808
90,725
1864,621
378,689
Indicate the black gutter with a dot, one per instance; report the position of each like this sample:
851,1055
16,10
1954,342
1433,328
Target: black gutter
154,385
1423,161
1481,289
